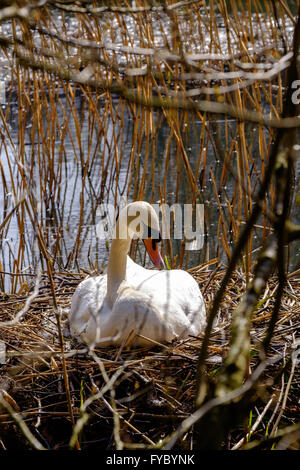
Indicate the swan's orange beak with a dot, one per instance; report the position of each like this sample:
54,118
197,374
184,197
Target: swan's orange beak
154,253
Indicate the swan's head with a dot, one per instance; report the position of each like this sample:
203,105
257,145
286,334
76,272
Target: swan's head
139,220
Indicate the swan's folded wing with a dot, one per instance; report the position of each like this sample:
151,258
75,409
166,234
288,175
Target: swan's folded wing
135,312
177,295
86,303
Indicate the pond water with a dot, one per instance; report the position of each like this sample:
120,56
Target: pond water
152,167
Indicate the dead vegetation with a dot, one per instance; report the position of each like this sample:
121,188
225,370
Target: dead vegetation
83,121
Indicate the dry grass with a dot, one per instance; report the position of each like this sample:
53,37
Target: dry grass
67,147
153,388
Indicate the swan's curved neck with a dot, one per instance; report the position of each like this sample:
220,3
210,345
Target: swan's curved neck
116,271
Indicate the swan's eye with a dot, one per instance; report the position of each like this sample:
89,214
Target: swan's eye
154,235
155,241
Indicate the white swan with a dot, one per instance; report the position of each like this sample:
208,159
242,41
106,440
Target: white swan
160,305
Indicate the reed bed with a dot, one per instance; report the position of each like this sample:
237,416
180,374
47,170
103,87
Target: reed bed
153,389
112,111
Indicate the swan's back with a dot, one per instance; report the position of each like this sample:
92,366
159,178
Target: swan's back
160,305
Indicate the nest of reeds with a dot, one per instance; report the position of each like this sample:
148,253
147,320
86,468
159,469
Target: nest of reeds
151,390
